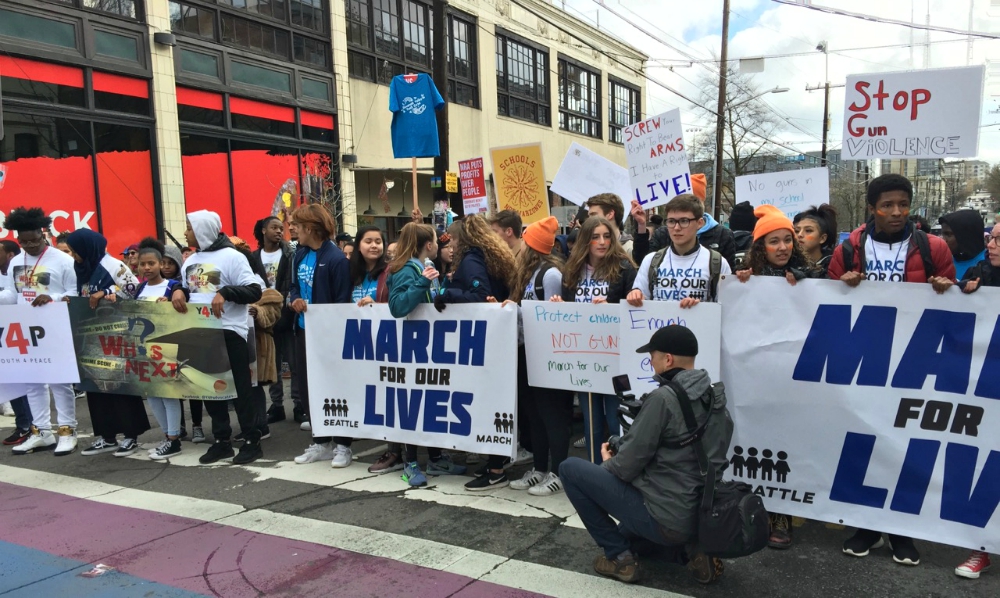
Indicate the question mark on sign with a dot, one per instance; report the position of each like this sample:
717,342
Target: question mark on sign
147,329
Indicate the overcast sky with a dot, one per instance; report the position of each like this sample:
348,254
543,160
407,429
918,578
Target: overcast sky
763,27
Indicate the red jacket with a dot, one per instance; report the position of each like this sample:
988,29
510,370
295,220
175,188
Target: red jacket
940,257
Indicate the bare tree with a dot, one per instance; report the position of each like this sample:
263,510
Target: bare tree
748,125
847,196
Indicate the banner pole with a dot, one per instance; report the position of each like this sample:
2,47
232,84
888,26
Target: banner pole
590,408
413,170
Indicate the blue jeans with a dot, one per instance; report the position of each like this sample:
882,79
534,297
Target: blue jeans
597,495
605,409
22,413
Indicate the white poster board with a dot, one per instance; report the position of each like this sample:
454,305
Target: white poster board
36,345
583,174
572,346
440,379
657,159
639,323
887,396
9,392
930,113
791,191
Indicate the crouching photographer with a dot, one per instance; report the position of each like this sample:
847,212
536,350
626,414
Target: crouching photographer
653,484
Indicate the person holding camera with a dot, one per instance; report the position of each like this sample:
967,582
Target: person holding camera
651,482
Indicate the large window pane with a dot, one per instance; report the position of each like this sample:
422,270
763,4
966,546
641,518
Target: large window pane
522,81
255,37
192,21
116,46
205,163
261,175
261,77
125,182
308,14
415,33
124,8
358,23
37,29
199,63
311,51
386,27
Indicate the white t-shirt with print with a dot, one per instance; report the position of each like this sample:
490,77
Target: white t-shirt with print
590,288
679,276
49,274
885,262
270,259
205,272
152,292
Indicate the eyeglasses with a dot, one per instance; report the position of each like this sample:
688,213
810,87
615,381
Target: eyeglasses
681,222
993,239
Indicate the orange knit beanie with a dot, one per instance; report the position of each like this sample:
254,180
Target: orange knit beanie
770,219
541,235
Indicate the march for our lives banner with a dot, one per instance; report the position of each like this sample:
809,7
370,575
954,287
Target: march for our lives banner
33,347
446,380
852,406
148,349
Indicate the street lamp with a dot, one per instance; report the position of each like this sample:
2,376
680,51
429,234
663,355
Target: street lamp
720,128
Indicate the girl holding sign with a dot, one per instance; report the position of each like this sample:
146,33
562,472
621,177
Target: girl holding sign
598,271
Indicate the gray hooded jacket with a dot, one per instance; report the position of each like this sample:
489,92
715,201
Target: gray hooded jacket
670,480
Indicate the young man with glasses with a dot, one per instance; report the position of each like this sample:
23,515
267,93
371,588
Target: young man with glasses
684,271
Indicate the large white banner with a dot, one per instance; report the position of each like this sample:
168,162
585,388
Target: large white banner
572,346
446,380
791,191
639,323
585,173
9,392
864,407
657,159
930,113
36,345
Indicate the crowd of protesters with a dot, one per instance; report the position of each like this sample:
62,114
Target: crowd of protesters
305,261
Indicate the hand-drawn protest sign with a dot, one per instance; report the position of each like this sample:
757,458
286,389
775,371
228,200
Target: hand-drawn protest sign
657,159
791,191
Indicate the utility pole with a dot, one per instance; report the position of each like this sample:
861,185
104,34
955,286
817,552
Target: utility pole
440,70
824,47
720,123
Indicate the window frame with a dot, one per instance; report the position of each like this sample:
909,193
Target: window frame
542,102
613,126
596,120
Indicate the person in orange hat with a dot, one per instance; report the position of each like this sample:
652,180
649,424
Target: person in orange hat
775,250
548,412
711,234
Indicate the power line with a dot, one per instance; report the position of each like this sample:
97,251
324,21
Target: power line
874,19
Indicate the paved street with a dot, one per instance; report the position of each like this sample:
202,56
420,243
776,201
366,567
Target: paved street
279,529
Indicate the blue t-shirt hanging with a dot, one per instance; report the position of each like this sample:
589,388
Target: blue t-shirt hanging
413,101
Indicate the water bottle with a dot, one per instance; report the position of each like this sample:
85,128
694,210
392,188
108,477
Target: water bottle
435,285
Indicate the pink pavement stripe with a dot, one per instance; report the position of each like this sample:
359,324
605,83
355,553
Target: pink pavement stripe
214,559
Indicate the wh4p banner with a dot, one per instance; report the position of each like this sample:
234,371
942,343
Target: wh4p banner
432,379
36,345
854,406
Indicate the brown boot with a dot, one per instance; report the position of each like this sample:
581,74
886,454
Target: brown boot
623,569
704,568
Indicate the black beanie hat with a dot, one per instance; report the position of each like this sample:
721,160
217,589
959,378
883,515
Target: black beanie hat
742,217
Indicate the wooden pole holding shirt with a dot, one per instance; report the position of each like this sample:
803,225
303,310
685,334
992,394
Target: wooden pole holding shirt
413,168
440,75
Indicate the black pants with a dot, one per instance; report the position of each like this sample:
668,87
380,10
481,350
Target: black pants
550,412
411,453
246,407
303,371
284,350
112,414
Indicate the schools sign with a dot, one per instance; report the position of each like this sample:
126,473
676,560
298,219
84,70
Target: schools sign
446,380
854,407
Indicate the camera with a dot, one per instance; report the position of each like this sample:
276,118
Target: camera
628,408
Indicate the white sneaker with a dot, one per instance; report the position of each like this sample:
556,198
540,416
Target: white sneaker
523,456
580,443
40,440
6,409
315,452
547,487
67,441
342,456
530,478
306,427
165,441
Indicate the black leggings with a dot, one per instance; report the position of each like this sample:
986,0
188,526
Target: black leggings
302,370
246,407
113,414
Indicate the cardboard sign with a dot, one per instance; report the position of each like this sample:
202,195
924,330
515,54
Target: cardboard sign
657,159
791,191
473,181
520,181
583,174
450,182
445,379
886,394
930,113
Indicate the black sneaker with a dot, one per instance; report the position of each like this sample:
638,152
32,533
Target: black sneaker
507,464
184,434
862,541
222,449
903,550
488,481
126,447
241,437
17,437
249,452
166,450
276,413
299,415
265,432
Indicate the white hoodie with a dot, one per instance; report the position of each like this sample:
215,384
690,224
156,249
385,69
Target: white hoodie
205,272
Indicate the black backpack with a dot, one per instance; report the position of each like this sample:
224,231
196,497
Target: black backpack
919,239
732,520
714,269
744,240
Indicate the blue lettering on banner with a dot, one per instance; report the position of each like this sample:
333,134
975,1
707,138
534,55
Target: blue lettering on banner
941,345
411,344
436,405
961,502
